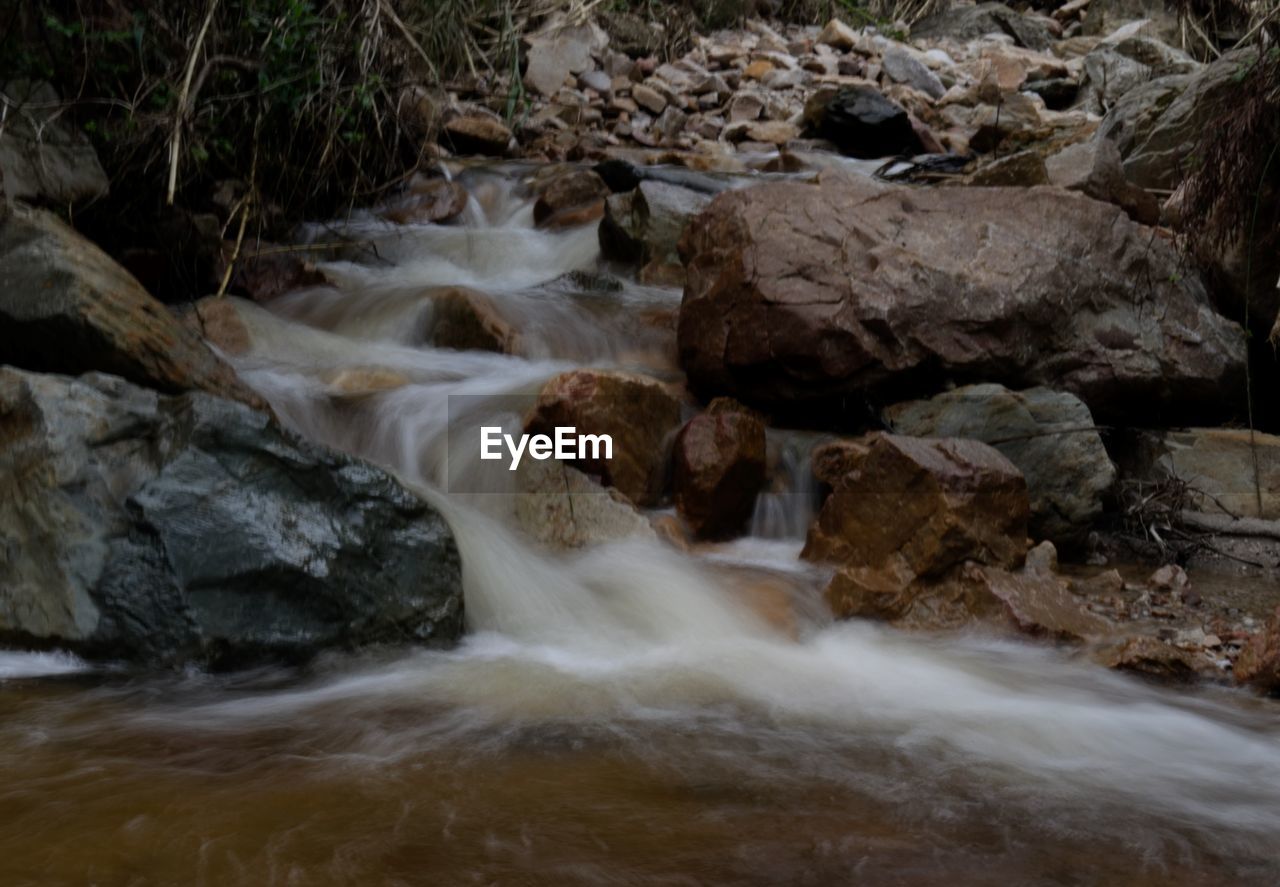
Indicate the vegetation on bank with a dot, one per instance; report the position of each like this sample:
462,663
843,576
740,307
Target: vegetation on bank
264,112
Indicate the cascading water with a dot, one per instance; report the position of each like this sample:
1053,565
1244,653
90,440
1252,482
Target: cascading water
622,714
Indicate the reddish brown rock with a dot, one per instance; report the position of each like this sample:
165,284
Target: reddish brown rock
637,412
895,596
1028,603
805,293
1259,662
919,505
1151,658
1040,605
574,198
428,200
719,468
468,320
217,321
66,307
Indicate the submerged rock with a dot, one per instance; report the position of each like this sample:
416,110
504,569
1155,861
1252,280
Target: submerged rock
66,307
801,294
167,530
428,200
1048,435
637,412
719,468
468,320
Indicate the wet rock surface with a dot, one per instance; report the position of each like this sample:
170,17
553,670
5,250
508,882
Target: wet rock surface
719,468
637,412
190,529
797,293
643,227
918,506
1050,436
469,320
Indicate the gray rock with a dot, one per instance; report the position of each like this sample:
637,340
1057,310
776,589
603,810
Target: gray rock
43,157
1227,470
902,67
1049,435
553,57
167,530
1094,168
597,80
1113,69
645,225
965,23
1156,126
67,307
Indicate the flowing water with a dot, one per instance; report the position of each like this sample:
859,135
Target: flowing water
621,715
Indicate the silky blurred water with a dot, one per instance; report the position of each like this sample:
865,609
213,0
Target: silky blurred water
629,714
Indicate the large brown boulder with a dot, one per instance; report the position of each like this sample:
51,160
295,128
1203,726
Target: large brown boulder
637,412
719,468
66,307
918,506
807,293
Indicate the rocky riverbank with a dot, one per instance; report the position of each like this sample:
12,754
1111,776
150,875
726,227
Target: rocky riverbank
950,258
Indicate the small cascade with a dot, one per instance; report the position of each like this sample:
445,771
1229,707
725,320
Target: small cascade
785,508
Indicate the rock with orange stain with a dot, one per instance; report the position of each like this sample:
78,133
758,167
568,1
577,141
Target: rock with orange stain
638,413
67,307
